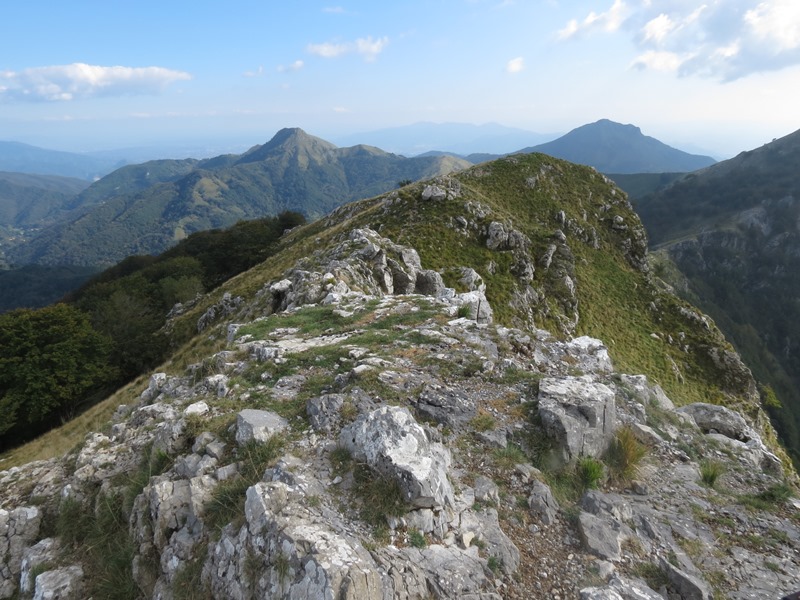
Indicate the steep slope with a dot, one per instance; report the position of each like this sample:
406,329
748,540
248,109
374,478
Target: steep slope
734,231
24,158
612,147
147,208
357,418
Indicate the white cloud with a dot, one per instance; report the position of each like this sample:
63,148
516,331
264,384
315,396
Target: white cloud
333,9
657,29
340,109
257,73
721,39
367,47
79,80
295,66
658,61
777,22
608,21
515,65
328,50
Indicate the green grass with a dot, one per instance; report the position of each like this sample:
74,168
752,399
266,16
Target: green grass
380,496
590,472
625,454
710,471
510,456
227,500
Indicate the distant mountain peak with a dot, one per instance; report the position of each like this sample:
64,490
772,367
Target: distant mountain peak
612,147
286,140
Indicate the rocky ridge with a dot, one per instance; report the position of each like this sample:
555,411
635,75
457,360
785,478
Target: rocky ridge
361,430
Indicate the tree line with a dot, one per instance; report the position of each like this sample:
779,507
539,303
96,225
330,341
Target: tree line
57,361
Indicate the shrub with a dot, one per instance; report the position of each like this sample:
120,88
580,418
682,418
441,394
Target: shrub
625,454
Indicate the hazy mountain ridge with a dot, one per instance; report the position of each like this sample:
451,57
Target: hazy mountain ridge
613,147
24,158
143,209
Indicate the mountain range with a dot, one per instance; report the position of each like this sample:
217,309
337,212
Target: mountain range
144,209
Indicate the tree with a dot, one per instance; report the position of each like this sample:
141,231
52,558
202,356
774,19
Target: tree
51,359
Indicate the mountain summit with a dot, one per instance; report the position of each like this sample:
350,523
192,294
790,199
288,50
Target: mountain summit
613,147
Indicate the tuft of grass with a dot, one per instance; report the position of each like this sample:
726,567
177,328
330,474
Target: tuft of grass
188,583
625,454
652,574
495,564
769,499
590,472
417,539
710,471
508,457
96,533
227,499
341,459
483,421
381,496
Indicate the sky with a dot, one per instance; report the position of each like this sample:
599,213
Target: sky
716,75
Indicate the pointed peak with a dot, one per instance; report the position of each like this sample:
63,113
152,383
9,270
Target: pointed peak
287,139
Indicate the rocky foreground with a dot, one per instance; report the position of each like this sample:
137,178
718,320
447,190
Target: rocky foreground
359,430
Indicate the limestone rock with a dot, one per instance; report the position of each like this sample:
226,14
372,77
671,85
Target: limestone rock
18,530
445,405
690,587
258,425
542,503
599,536
712,417
579,414
393,443
65,583
323,411
43,552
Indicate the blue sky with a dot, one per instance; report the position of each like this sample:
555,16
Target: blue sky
722,75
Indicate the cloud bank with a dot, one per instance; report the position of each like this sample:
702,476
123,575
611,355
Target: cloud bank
720,39
79,80
367,47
